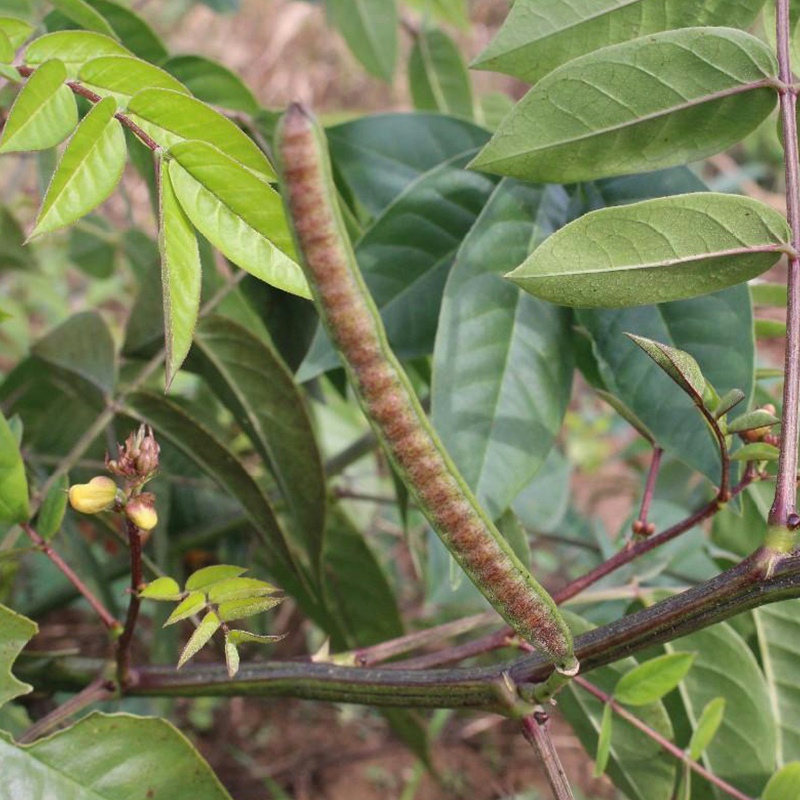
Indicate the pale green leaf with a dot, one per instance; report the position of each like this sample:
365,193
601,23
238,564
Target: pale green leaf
231,657
539,35
88,171
655,251
370,29
207,576
604,742
17,30
238,588
188,607
13,483
784,784
181,277
44,112
212,82
15,632
237,212
7,51
653,679
122,77
240,609
239,637
54,505
680,366
84,15
171,118
452,12
437,76
109,757
654,102
208,626
707,726
73,48
164,588
757,451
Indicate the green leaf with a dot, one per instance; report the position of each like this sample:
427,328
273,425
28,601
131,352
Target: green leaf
729,400
784,784
240,637
88,171
538,36
237,212
13,253
181,277
653,679
164,588
707,726
73,48
111,757
769,328
370,29
212,83
231,657
604,742
133,31
121,77
765,293
743,751
680,366
502,374
15,632
231,610
44,112
660,100
379,156
17,30
655,251
255,385
513,531
208,626
13,483
208,576
84,15
171,118
93,247
6,49
753,419
757,451
54,506
777,627
406,255
188,607
437,76
237,588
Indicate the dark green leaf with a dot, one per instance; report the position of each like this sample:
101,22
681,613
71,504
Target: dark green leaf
370,29
680,366
653,679
15,632
707,726
93,247
660,100
212,82
133,31
515,534
13,255
54,505
502,366
81,12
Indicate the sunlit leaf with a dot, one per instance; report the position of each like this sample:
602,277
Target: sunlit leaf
653,679
207,576
208,626
73,48
784,784
240,637
17,30
82,13
237,588
123,76
230,610
707,727
163,588
231,657
193,604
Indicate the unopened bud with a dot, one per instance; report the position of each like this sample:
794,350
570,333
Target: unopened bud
93,497
141,512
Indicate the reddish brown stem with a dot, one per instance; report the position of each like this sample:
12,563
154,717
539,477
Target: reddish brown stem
105,615
536,729
666,744
137,578
649,490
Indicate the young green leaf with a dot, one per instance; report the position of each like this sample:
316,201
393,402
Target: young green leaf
240,609
680,366
82,13
650,681
209,625
89,170
239,589
231,657
15,632
370,29
17,30
757,451
784,784
437,76
604,741
207,576
123,76
656,101
44,112
13,483
212,83
188,607
658,250
753,419
181,277
172,117
728,401
237,212
239,637
707,726
72,48
54,505
537,36
163,588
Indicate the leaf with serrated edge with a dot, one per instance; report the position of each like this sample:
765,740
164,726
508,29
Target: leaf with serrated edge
239,589
13,483
89,170
171,118
191,605
240,609
680,366
181,276
642,105
653,679
205,577
15,632
231,657
123,76
707,726
82,13
17,30
241,215
655,251
44,112
163,588
209,625
72,48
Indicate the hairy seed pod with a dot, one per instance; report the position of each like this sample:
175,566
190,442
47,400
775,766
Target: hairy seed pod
356,330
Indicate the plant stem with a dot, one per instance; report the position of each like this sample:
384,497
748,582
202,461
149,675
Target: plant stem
723,493
786,486
105,615
666,744
536,729
649,489
125,640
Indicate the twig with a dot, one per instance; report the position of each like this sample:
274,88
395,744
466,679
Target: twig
665,743
124,643
723,493
640,525
536,729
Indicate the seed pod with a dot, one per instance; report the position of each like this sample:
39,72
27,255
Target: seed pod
388,399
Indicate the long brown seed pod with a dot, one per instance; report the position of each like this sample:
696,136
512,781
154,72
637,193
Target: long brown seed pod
356,330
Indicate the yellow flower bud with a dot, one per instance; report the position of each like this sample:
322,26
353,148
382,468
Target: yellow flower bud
93,497
141,513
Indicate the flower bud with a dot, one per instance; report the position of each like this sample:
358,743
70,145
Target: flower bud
141,512
93,497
